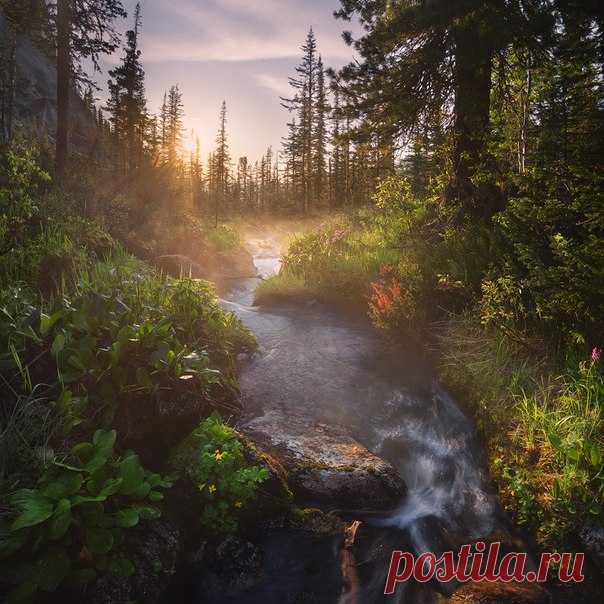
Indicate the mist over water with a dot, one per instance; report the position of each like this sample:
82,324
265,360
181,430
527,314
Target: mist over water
338,369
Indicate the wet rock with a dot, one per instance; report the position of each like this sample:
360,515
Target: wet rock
325,464
151,429
232,568
500,593
280,565
274,495
236,264
592,541
153,548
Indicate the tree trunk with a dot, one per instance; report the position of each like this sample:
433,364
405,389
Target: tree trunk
64,16
473,62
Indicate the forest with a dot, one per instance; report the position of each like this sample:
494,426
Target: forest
385,333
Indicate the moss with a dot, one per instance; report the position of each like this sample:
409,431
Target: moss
315,521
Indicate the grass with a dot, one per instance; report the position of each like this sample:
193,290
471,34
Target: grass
336,264
542,426
283,287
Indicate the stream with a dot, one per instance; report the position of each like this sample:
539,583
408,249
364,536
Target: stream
341,371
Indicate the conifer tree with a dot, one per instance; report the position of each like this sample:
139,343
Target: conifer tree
84,30
127,104
172,116
222,161
303,105
319,136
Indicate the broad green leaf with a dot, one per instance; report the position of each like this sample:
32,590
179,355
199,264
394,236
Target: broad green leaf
104,441
155,496
65,485
595,455
99,459
555,440
47,321
111,487
83,451
142,491
132,474
58,345
61,520
127,518
35,508
79,500
99,541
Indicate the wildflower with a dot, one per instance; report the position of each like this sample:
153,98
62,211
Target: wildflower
238,504
212,489
218,455
596,355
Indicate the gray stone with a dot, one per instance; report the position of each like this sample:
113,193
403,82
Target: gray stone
592,540
324,464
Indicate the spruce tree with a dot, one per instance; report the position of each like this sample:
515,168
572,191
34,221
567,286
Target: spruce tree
84,30
319,137
222,161
303,105
127,104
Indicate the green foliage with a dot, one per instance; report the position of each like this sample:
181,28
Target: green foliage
549,276
119,334
282,286
71,526
213,459
43,260
20,181
543,429
222,238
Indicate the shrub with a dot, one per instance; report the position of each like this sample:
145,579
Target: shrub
222,238
123,334
551,248
391,306
71,525
20,182
212,458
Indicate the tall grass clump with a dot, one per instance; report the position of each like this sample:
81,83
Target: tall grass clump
542,425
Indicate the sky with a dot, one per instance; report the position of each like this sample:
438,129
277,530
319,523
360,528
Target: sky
241,51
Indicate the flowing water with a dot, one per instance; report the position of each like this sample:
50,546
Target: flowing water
340,370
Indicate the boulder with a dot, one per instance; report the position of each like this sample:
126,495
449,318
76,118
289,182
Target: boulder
324,464
592,541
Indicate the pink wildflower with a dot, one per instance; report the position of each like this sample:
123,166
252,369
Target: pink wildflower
596,355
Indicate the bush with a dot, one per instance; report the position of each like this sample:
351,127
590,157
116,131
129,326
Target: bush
213,460
543,427
71,526
20,182
122,334
551,253
222,238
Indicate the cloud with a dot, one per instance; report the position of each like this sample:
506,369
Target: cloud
277,84
238,30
